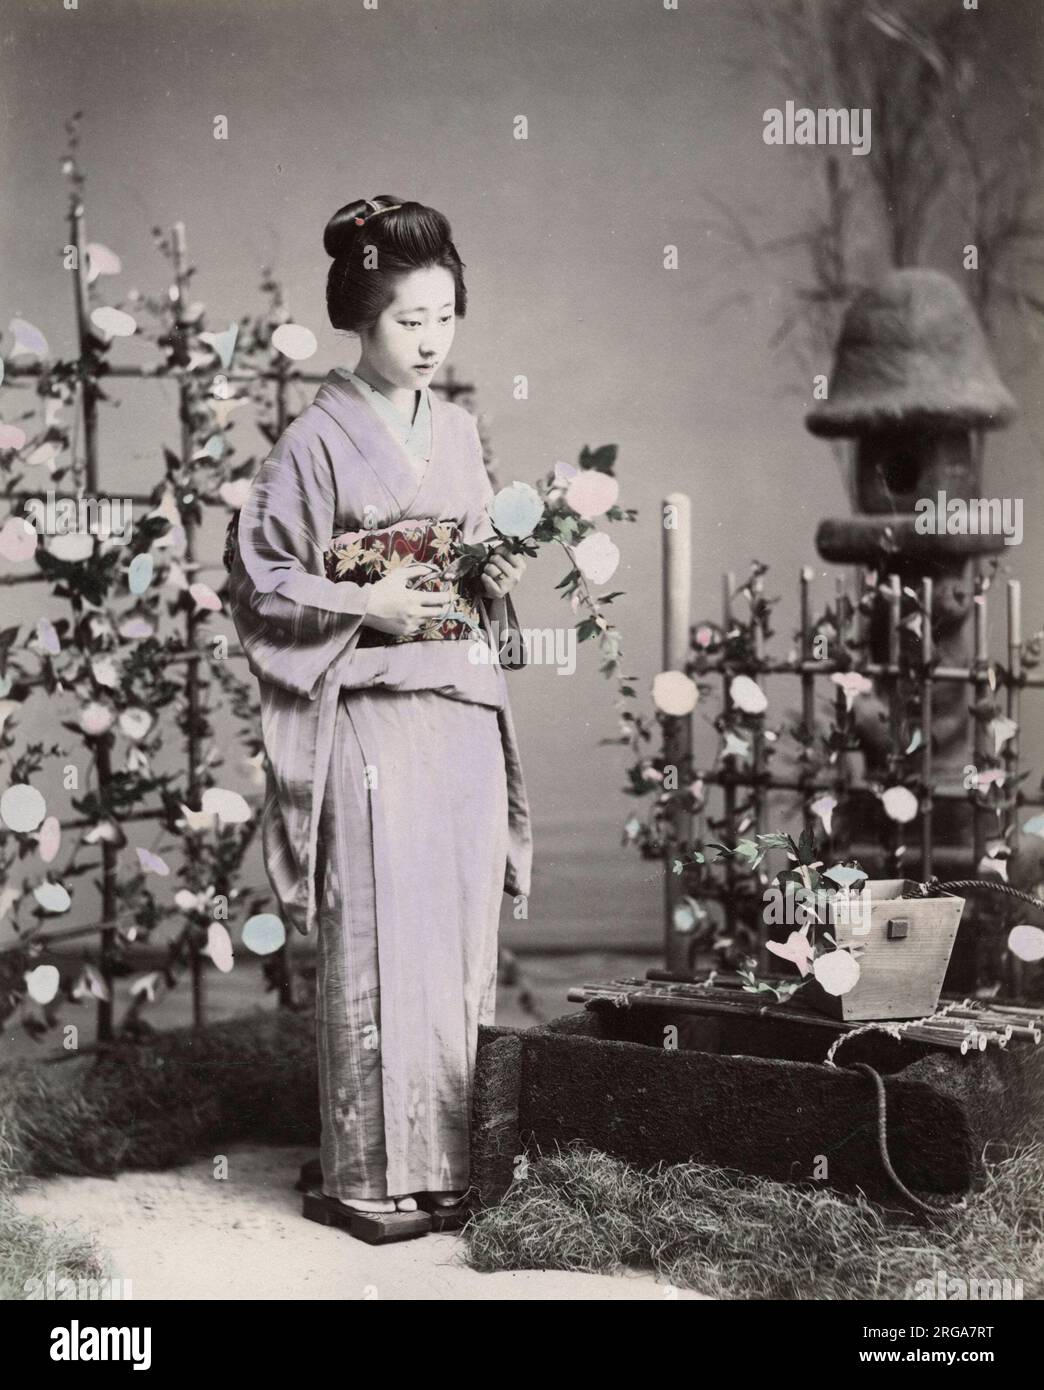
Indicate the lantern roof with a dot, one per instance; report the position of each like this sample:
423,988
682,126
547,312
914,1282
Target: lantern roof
912,354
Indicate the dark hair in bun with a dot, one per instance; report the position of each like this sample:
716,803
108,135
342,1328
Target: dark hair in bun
409,237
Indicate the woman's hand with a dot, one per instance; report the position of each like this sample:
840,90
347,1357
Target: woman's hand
501,573
395,608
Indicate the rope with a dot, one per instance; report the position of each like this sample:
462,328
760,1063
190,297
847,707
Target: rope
894,1029
933,888
943,1207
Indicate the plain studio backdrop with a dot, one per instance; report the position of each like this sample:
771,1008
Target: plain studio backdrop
642,123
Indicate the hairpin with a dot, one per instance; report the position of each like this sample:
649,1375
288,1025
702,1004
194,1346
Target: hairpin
371,204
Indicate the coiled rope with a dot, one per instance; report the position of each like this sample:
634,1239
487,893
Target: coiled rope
930,888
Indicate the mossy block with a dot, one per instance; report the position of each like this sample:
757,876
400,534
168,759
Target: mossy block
494,1112
754,1095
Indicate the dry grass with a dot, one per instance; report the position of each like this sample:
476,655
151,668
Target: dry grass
736,1237
160,1103
32,1249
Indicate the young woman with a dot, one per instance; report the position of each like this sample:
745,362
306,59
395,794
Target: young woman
395,811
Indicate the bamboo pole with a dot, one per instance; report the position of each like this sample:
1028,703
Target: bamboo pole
677,618
1011,749
894,609
192,684
981,689
808,690
927,655
1033,1016
728,765
757,758
88,481
696,1003
795,784
842,781
88,386
19,374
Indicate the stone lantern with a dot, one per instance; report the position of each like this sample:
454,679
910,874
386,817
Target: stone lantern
914,387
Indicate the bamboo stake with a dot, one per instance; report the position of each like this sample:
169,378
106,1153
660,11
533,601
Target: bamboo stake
677,588
1033,1035
981,689
927,655
1011,748
982,1020
795,784
689,1004
1034,1017
192,684
728,766
841,780
88,386
89,482
808,690
961,1042
894,607
757,759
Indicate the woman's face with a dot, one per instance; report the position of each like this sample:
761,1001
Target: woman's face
411,339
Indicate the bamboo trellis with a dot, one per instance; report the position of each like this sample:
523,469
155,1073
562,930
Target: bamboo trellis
730,777
282,378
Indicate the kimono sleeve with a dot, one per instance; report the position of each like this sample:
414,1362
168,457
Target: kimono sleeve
292,621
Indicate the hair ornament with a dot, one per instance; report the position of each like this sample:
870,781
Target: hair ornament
359,221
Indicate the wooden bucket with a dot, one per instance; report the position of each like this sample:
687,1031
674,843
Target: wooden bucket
906,948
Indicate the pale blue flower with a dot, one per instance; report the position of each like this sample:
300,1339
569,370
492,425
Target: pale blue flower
516,509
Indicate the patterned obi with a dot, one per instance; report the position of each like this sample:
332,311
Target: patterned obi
363,557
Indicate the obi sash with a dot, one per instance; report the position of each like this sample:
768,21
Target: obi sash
364,557
431,542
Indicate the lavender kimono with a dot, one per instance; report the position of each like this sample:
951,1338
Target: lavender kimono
395,811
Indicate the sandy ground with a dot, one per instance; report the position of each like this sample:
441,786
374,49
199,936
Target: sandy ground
183,1234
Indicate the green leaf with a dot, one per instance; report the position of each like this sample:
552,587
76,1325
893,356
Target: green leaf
600,459
566,528
776,839
806,848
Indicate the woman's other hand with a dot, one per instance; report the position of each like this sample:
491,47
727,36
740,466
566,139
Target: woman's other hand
501,573
400,610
